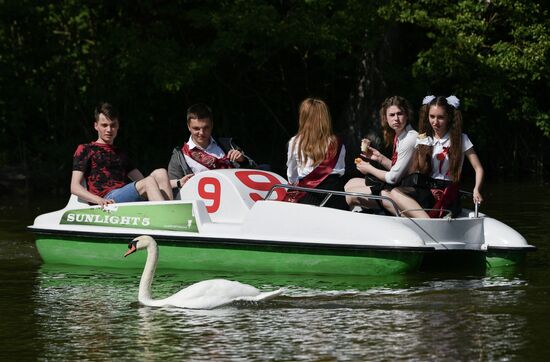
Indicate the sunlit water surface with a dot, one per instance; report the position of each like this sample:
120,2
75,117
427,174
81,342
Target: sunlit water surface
52,312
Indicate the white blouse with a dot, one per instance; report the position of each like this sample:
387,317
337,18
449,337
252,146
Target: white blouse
296,171
406,142
440,154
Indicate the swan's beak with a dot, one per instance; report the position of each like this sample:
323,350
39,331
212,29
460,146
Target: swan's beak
132,245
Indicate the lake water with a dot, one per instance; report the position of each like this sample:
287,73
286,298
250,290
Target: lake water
50,312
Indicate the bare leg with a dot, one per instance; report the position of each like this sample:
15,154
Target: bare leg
387,204
406,202
156,186
358,185
161,177
149,189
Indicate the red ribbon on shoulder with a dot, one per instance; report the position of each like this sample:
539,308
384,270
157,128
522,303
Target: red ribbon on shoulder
318,175
206,159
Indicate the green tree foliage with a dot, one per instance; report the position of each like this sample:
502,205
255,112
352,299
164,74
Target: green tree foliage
494,54
253,62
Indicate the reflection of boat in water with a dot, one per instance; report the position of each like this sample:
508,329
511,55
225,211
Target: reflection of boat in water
229,220
55,275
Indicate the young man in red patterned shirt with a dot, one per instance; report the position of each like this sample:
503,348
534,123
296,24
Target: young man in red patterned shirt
106,168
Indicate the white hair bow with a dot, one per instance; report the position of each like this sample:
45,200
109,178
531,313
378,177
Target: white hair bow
453,101
428,99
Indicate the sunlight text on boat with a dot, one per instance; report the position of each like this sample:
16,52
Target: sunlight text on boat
109,219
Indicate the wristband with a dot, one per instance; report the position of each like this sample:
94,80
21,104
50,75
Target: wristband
178,183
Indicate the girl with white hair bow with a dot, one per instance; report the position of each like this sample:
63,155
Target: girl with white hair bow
440,128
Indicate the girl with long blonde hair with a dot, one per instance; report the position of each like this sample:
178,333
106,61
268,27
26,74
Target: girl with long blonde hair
316,156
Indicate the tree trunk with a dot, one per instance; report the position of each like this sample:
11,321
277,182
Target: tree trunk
360,115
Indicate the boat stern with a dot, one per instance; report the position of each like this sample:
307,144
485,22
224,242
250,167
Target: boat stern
504,245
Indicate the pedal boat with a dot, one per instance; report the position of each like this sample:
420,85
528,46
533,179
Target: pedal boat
236,221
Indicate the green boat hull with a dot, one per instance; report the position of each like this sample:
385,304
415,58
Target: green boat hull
500,259
248,258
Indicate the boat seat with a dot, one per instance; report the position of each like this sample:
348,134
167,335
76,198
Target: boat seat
76,202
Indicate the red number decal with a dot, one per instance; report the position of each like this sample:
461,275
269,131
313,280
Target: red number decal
246,179
213,195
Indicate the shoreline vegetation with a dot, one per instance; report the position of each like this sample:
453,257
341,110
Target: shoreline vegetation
253,62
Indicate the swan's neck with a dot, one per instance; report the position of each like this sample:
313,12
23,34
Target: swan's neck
148,273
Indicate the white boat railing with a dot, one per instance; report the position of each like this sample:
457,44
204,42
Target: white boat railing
476,204
330,193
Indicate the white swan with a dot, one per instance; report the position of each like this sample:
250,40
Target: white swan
207,294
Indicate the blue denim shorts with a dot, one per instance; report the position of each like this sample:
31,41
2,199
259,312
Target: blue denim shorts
126,193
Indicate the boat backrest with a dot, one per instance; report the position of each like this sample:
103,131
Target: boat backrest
229,194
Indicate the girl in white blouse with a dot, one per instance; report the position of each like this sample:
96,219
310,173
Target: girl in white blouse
440,125
316,156
395,117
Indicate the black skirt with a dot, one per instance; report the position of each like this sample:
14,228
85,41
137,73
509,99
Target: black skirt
426,200
422,195
332,182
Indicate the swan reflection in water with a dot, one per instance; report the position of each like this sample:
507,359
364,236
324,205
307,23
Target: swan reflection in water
206,294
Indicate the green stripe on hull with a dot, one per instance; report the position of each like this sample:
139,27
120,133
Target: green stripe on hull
231,258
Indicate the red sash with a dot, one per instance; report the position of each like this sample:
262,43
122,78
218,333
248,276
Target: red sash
444,199
394,152
206,159
318,175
